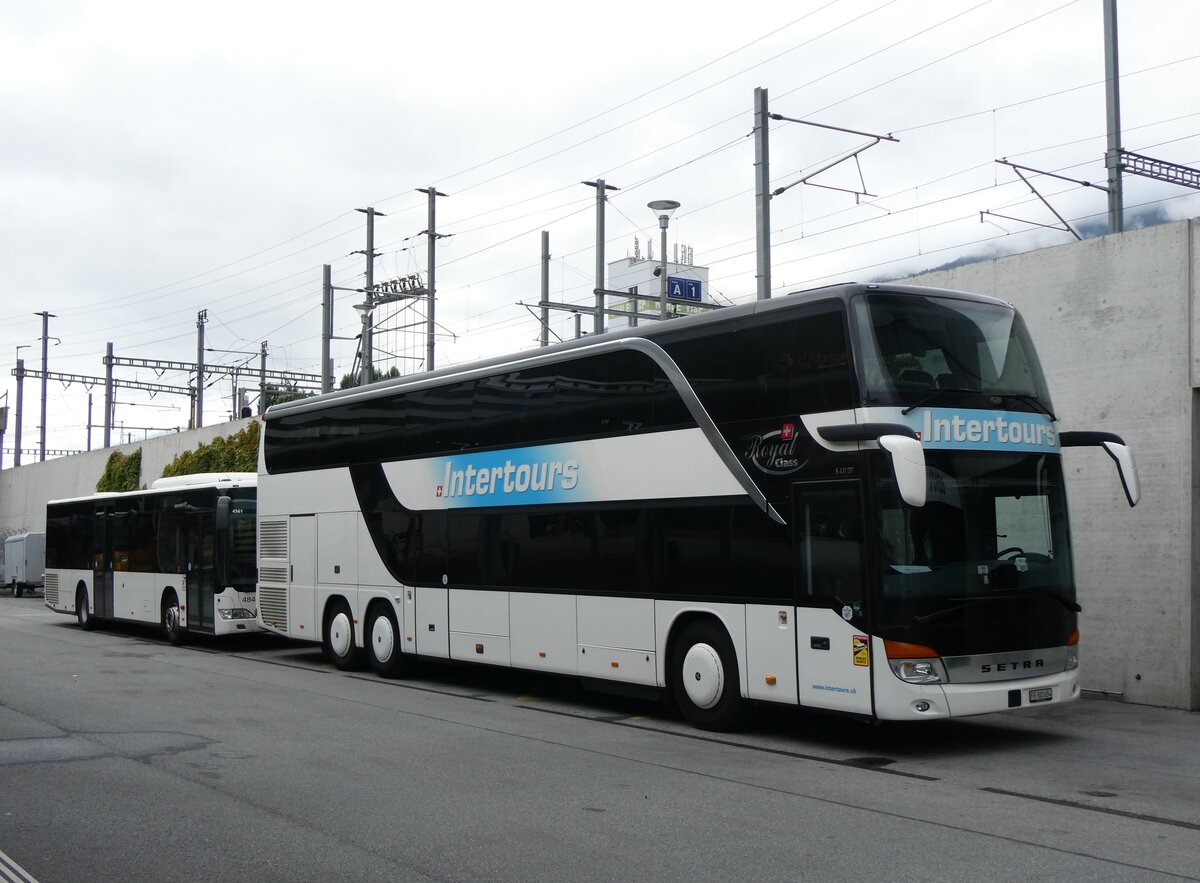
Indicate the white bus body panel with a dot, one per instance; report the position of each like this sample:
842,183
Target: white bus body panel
479,626
771,653
432,621
831,678
62,585
544,632
616,639
134,597
337,548
303,615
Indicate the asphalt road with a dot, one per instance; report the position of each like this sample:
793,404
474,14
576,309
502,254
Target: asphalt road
123,758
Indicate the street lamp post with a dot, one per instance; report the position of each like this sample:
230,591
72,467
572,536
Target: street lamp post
664,208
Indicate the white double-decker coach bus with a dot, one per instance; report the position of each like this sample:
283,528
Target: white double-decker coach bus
849,498
180,554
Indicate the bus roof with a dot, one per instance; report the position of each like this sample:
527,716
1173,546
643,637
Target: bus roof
217,480
793,300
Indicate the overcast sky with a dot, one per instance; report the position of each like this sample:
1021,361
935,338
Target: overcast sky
159,159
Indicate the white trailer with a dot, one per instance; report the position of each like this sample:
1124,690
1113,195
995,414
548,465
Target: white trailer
25,561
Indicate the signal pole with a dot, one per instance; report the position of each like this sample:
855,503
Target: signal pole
598,324
19,373
262,379
1112,159
46,317
201,320
430,325
368,340
762,193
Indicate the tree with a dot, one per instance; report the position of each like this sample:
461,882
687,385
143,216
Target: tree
349,381
287,392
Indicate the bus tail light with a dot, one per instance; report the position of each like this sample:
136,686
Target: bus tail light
915,663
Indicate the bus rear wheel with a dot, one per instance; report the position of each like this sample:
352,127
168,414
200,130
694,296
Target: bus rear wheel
383,643
170,619
82,614
337,638
704,677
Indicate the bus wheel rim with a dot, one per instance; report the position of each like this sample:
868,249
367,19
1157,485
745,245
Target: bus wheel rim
383,639
339,634
703,676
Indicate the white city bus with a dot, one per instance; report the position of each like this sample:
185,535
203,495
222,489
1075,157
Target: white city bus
849,498
181,554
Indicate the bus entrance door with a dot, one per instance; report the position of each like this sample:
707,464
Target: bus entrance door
103,559
201,571
832,644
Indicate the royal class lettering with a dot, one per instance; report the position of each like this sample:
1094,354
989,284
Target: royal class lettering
774,453
510,478
993,430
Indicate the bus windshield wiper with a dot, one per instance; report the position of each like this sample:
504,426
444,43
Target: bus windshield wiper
1073,606
944,611
1029,399
937,391
966,602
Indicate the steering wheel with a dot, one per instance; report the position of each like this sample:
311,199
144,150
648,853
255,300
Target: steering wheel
1004,552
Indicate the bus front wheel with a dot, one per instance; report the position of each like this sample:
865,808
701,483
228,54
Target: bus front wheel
338,637
704,677
383,643
170,619
82,615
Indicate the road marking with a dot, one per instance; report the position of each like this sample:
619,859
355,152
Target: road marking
11,872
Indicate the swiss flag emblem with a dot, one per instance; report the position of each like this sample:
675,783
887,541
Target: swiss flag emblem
789,430
439,490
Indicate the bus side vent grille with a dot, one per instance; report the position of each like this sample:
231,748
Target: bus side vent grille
273,538
273,607
50,590
273,574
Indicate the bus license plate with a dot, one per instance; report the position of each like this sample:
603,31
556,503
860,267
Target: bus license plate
1041,695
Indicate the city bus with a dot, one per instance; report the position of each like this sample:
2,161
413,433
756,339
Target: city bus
180,554
848,499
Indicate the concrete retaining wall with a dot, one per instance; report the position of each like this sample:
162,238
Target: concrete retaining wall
24,491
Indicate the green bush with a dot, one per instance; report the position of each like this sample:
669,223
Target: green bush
235,453
121,472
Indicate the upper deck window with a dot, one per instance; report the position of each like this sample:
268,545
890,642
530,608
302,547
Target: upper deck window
910,346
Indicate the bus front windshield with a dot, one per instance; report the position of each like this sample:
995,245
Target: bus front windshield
912,349
994,525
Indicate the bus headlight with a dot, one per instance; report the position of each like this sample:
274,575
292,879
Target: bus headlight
915,663
918,671
235,613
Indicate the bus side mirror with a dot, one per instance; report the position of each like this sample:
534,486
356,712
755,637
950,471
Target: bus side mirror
902,447
1116,448
224,504
908,462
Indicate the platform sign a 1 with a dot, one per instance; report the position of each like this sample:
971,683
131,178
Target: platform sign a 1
679,288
